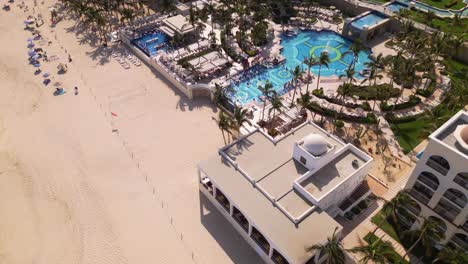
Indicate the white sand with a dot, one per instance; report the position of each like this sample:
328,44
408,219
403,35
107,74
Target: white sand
72,191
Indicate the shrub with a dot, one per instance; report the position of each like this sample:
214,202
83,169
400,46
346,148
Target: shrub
391,118
369,119
451,3
374,92
319,94
338,123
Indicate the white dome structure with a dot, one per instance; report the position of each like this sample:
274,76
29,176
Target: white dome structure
315,144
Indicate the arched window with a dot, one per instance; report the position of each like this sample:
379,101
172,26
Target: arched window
413,208
439,164
460,240
440,223
429,180
456,197
462,179
465,225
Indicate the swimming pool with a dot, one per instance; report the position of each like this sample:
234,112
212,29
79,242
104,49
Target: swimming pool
371,19
396,6
295,49
151,42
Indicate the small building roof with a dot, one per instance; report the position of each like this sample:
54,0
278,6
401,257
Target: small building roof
315,144
179,24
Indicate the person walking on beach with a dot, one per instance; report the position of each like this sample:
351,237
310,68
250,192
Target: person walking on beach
76,90
69,58
45,56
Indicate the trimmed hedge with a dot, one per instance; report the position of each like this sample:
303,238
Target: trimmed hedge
374,92
413,101
392,119
451,3
319,94
369,119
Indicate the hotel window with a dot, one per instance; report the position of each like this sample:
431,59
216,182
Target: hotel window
303,160
278,258
456,197
240,219
429,179
260,240
462,179
439,164
221,198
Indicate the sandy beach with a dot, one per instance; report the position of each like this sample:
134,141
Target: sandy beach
79,184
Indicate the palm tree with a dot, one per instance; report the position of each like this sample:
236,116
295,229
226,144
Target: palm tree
427,235
296,73
373,76
401,200
355,49
377,251
333,249
240,117
276,104
311,61
266,90
224,123
323,60
304,100
451,255
433,119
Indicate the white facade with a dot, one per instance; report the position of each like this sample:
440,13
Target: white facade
439,182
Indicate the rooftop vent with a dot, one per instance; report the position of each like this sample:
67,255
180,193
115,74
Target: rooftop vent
355,164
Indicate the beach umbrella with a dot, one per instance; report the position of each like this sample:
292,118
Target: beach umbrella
30,45
31,52
37,65
45,75
35,57
29,39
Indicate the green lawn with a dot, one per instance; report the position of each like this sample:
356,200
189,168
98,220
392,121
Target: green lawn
395,258
441,4
386,226
443,24
408,134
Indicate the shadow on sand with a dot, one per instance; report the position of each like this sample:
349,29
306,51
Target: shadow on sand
225,234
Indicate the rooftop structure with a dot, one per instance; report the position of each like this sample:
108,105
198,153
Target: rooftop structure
287,191
439,182
367,26
178,24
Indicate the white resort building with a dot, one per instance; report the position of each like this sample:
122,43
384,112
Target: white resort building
439,182
282,195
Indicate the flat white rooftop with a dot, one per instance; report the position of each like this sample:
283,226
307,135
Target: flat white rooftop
271,173
179,24
447,133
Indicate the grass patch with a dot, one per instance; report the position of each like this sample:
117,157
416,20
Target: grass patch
441,4
395,257
408,134
386,226
380,92
444,24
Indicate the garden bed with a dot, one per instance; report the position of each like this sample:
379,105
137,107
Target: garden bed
369,119
413,101
319,94
374,92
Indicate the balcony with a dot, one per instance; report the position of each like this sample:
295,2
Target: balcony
460,240
260,240
223,201
445,209
429,180
240,219
465,226
439,164
456,197
278,258
415,209
421,193
462,179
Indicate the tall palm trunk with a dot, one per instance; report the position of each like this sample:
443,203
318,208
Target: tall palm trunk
318,77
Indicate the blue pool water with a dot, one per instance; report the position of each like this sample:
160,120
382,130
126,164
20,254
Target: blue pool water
419,155
370,20
151,42
396,6
295,49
